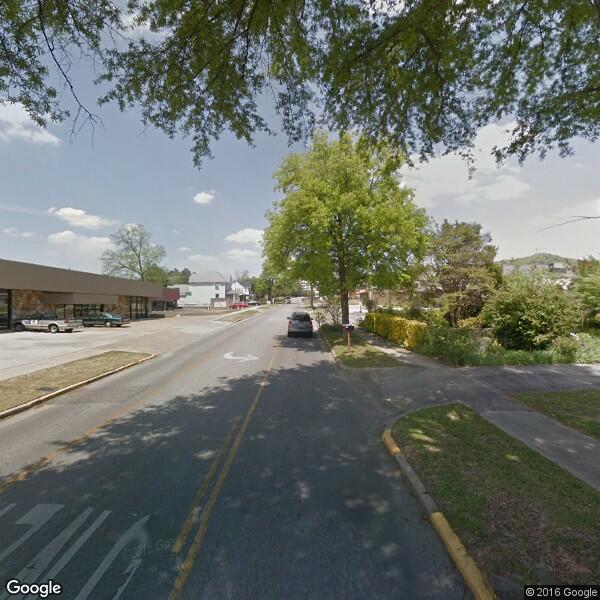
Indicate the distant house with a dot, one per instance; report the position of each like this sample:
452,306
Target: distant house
561,272
207,289
237,292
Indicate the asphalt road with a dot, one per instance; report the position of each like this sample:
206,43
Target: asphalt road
197,476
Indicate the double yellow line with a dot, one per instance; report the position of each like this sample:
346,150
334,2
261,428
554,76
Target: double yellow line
188,563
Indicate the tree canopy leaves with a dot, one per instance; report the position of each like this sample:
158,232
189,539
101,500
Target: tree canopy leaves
344,220
462,273
422,74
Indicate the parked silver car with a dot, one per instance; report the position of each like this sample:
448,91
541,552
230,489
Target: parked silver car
44,322
300,323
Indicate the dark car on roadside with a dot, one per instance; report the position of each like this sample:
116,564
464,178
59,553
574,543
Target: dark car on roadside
105,319
300,323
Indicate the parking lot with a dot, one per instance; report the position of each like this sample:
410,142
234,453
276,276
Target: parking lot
28,351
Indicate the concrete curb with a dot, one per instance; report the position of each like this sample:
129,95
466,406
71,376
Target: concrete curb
467,567
335,358
17,409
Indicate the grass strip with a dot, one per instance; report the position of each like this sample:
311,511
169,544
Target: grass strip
578,409
24,388
239,316
361,355
520,516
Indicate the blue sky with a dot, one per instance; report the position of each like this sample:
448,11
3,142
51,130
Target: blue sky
61,199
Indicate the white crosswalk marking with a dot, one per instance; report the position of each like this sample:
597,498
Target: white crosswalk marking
135,534
4,510
68,555
32,573
37,517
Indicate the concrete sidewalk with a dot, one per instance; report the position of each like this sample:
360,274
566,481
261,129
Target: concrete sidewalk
427,382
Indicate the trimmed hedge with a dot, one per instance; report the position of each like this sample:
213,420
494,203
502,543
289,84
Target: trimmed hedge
403,332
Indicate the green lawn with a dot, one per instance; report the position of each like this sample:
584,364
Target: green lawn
521,516
361,355
23,388
578,409
239,316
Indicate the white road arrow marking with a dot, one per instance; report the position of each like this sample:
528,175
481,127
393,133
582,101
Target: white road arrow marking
231,356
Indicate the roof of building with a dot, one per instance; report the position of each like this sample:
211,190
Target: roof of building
27,276
207,277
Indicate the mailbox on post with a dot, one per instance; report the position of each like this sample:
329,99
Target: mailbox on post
348,328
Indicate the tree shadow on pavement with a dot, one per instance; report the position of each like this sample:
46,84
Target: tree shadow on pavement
309,507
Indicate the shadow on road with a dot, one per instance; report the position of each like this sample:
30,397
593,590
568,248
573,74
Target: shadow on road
310,507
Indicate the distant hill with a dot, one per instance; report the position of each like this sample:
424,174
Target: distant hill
540,258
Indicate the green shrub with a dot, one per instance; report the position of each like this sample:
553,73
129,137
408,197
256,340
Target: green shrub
565,348
528,313
470,322
403,332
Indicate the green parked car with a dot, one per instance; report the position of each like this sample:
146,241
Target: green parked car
105,319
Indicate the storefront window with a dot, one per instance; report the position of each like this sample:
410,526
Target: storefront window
4,309
137,307
85,310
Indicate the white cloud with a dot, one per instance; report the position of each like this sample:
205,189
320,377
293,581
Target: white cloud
205,197
183,249
80,243
226,262
77,217
241,254
175,231
15,124
203,258
246,236
446,177
14,232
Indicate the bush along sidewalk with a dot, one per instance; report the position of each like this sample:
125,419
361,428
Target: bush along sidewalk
476,346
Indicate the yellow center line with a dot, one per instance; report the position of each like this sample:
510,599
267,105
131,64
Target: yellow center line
188,563
182,537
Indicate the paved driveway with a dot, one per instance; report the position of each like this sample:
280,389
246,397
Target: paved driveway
423,382
32,350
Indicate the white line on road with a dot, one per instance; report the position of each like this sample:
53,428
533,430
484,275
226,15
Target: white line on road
232,356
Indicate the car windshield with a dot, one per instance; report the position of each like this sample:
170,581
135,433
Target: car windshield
301,317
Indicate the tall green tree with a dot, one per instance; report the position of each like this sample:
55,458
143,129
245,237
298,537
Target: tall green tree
423,73
344,220
134,255
462,273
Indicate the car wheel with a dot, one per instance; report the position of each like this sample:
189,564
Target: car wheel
53,328
107,324
19,327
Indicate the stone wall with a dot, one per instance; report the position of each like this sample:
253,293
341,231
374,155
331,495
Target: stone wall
25,302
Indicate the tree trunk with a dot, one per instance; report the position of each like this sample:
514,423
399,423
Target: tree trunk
312,296
345,307
344,293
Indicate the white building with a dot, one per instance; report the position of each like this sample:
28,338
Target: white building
206,289
237,292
